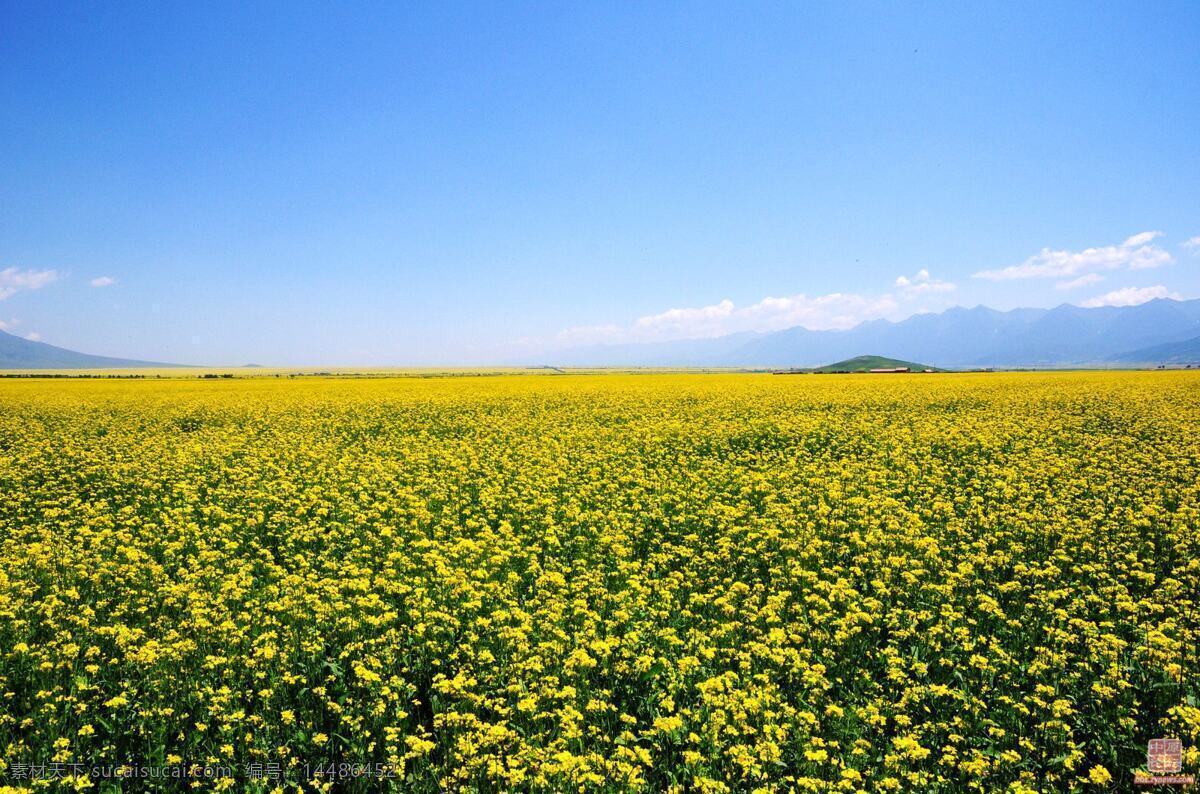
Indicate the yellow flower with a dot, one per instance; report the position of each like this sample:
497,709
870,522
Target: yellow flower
547,581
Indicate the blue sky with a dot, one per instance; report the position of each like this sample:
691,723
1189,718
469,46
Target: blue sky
465,183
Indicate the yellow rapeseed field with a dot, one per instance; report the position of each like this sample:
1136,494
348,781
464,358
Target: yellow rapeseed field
603,582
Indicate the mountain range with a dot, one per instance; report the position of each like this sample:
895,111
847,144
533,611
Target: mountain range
1158,331
18,353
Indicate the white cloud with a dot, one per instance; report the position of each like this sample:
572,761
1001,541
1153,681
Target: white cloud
13,281
33,336
696,322
1141,238
8,325
1130,296
103,281
1191,244
1082,281
1136,253
836,310
921,284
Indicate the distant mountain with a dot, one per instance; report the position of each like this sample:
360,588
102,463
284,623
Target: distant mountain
1185,352
956,338
868,363
681,353
18,353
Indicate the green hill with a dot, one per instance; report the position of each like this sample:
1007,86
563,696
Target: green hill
868,363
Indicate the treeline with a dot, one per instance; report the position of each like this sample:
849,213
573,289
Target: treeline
80,376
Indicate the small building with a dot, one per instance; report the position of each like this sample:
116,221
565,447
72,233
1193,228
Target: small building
889,369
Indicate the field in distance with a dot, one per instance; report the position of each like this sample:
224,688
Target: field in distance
625,583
